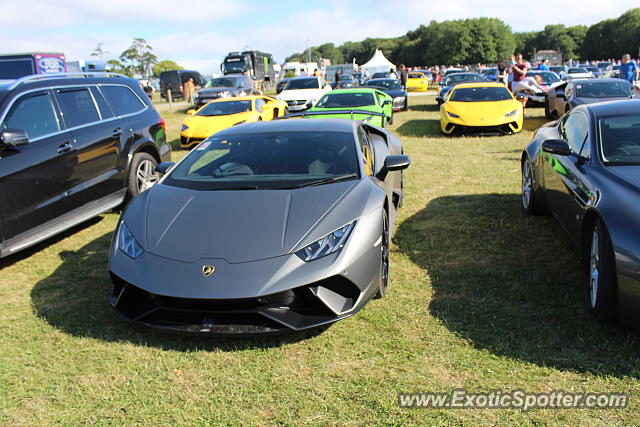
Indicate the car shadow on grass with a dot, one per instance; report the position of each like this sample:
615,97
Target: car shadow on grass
510,284
420,128
32,250
75,299
425,107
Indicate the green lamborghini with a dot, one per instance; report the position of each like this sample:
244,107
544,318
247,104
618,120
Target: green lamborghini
355,104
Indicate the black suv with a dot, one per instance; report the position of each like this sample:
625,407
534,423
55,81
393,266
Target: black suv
174,81
72,147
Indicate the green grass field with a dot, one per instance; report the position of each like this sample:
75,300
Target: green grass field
481,297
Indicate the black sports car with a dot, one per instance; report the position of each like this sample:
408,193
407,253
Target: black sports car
454,79
392,88
585,170
562,98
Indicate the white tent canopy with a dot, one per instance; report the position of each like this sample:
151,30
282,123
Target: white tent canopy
378,63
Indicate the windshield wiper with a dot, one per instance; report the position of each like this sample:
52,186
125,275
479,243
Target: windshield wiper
328,180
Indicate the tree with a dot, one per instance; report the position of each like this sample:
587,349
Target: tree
99,52
165,65
117,67
138,57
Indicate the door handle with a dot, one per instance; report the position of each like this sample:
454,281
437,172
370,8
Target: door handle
117,132
64,148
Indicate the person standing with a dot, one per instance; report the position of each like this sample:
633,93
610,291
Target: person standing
519,69
404,76
544,65
392,74
189,88
502,75
629,69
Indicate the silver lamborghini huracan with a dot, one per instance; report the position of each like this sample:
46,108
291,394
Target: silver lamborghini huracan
263,227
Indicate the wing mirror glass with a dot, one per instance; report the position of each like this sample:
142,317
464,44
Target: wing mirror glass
557,146
13,138
164,167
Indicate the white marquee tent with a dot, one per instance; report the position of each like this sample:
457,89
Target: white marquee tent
378,63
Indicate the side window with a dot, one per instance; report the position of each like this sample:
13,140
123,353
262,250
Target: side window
122,100
77,106
105,110
33,114
367,152
259,105
574,130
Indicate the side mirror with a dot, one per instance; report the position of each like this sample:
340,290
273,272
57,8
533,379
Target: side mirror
164,167
309,104
439,100
557,146
13,137
393,163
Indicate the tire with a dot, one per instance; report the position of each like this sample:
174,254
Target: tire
142,174
530,204
384,264
601,280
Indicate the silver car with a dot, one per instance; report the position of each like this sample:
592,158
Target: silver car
263,227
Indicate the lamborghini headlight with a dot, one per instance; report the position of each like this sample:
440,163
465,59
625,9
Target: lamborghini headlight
127,243
184,127
455,116
331,243
511,113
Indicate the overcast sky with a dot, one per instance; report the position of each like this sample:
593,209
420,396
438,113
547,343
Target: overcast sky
198,33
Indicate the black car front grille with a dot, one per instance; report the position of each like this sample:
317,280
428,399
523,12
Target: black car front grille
295,308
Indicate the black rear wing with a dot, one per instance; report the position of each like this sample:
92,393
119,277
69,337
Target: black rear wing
332,112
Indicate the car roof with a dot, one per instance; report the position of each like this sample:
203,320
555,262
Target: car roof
465,74
594,81
303,77
354,89
622,107
292,125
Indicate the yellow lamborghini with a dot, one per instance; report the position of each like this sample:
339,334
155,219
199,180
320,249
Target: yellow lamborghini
480,108
417,81
223,113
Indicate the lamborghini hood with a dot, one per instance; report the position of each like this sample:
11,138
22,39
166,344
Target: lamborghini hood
238,226
484,113
205,126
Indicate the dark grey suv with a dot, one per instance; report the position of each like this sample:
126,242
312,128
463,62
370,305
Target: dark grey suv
72,147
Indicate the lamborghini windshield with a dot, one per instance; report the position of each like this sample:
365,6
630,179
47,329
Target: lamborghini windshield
389,84
224,108
345,100
463,78
619,89
224,82
480,94
267,161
